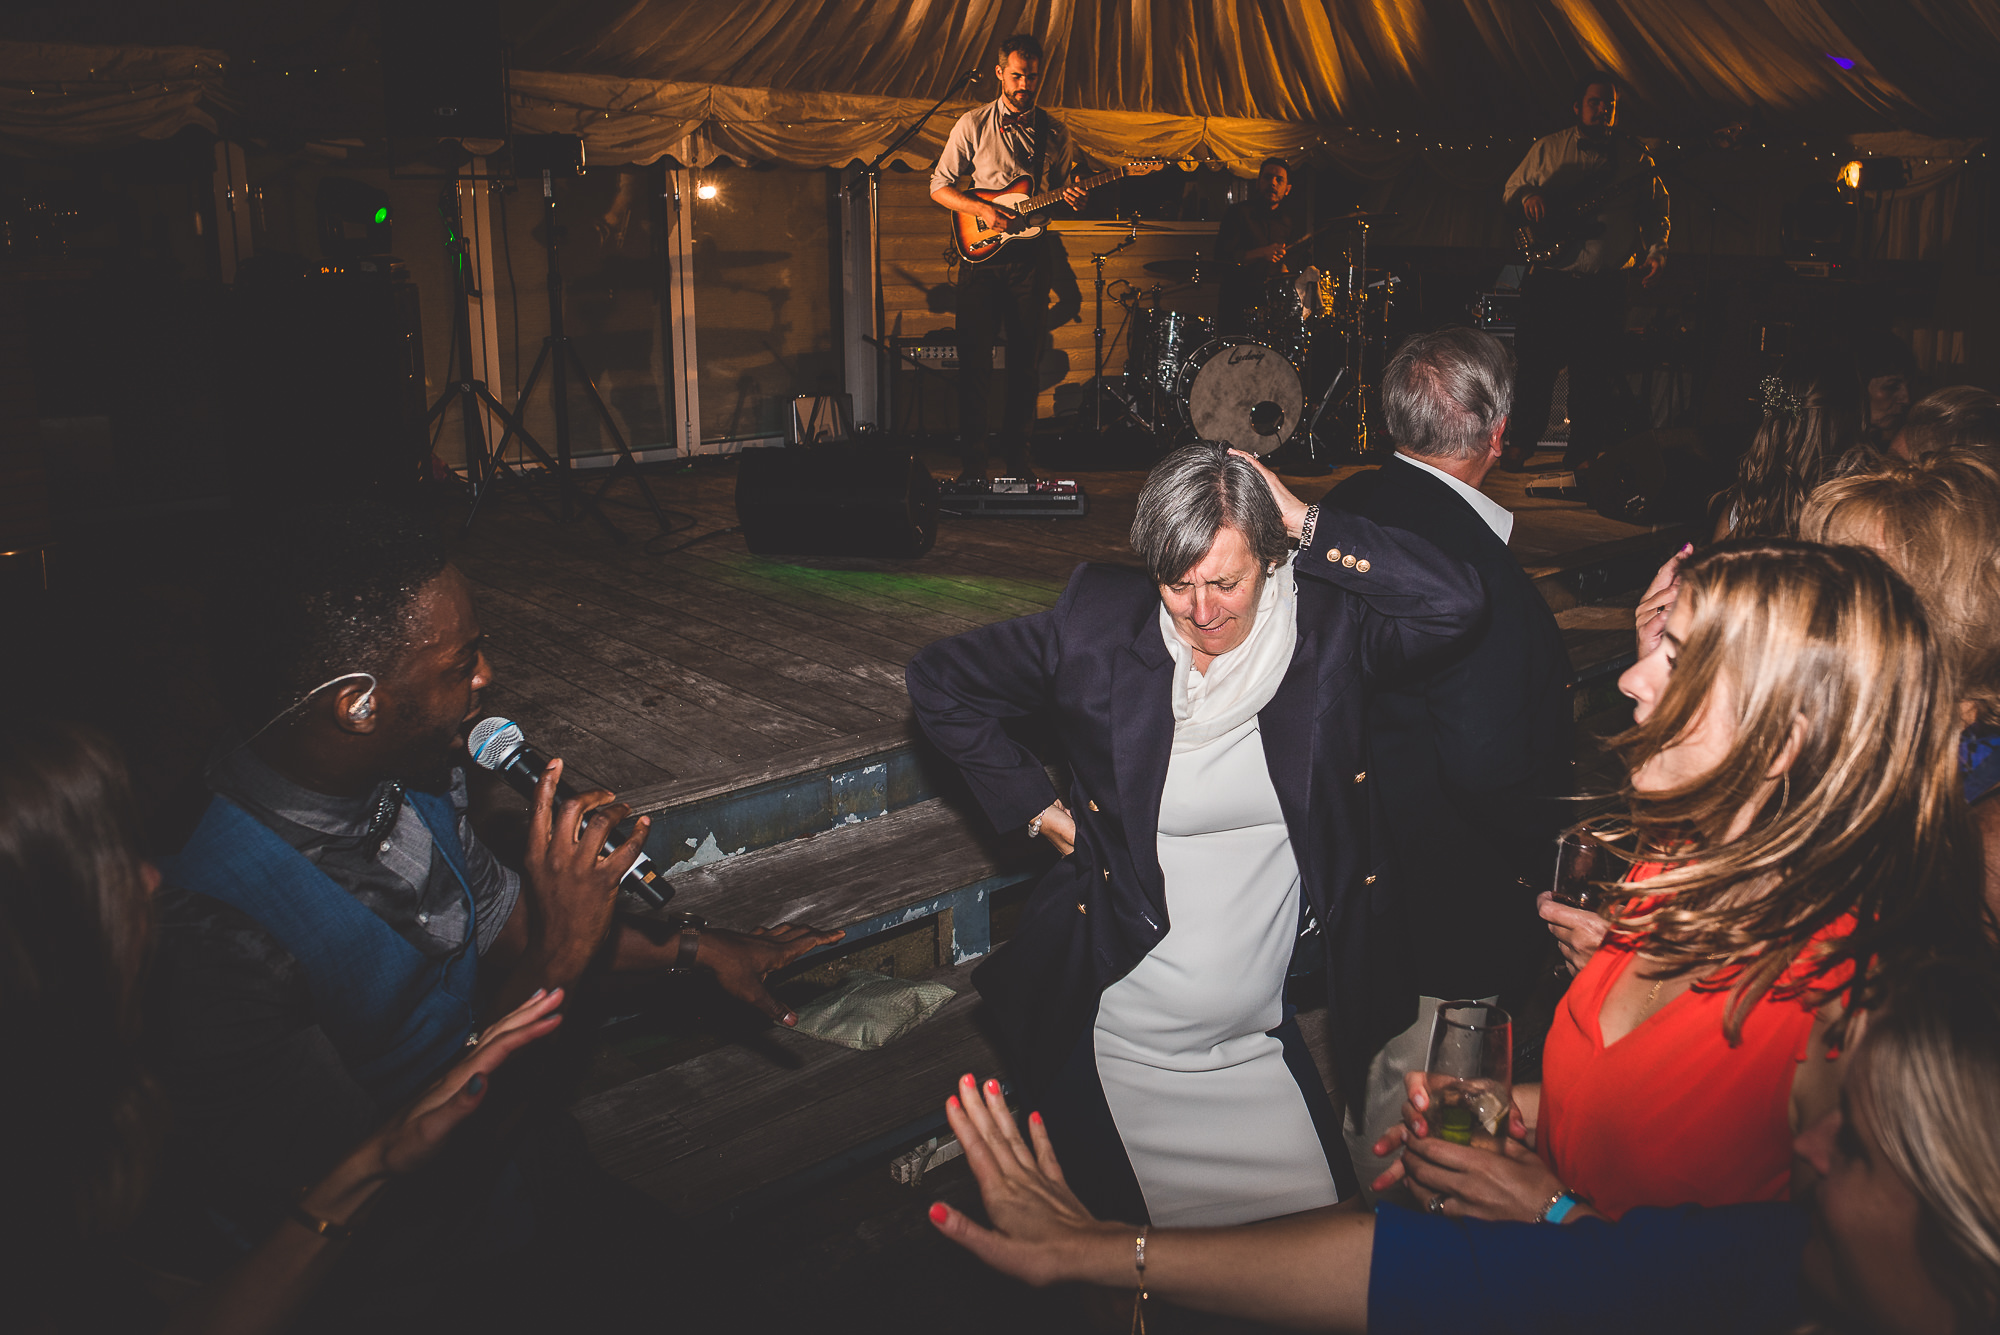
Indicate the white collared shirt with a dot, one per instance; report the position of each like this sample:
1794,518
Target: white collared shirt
1495,515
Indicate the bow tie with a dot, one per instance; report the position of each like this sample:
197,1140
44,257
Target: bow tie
1020,120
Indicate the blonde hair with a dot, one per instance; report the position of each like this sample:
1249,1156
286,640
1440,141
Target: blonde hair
1867,822
1802,434
1937,523
1950,418
1931,1060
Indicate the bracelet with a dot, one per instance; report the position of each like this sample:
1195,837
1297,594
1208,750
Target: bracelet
324,1228
1558,1207
1306,526
1139,1299
689,926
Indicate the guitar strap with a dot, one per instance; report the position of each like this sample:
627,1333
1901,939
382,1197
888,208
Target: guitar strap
1041,142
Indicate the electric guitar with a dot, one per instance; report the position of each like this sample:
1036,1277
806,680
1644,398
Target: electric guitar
976,243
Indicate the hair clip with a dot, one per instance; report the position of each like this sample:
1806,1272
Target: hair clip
1779,399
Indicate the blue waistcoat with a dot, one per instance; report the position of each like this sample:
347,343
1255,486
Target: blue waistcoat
396,1015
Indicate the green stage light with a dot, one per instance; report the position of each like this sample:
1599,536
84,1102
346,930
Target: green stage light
381,215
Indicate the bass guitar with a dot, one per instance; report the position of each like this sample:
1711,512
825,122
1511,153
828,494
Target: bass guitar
1565,227
976,243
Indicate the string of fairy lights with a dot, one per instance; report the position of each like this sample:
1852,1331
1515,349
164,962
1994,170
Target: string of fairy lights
200,74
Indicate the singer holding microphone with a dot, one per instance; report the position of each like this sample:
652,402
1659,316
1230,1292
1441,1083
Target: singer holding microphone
334,932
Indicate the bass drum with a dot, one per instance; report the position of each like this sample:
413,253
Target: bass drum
1240,393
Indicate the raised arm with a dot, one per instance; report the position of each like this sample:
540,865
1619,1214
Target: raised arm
962,689
1420,598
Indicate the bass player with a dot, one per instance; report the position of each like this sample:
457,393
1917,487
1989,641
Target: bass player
996,145
1573,306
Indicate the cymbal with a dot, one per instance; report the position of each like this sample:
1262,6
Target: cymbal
1189,269
1361,215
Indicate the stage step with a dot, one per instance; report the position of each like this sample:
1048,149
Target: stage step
856,838
724,1131
870,877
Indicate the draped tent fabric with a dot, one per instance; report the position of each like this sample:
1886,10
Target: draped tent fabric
1845,65
57,97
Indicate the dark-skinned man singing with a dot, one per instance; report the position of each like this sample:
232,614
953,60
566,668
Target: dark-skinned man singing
334,930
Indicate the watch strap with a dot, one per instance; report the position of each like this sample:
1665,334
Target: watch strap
1558,1208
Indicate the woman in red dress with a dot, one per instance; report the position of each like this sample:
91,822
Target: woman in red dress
1793,779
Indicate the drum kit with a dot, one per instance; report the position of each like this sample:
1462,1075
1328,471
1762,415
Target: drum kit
1310,346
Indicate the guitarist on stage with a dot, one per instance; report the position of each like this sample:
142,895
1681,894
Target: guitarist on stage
996,145
1573,306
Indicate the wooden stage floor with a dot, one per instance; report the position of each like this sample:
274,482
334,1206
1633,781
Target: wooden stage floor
672,675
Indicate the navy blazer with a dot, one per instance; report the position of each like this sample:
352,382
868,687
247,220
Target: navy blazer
1370,598
1471,748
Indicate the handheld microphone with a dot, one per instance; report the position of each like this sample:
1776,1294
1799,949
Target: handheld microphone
499,744
970,79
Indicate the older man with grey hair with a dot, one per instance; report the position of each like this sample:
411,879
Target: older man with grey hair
1210,708
1471,747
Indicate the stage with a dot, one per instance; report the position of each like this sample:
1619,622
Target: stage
671,676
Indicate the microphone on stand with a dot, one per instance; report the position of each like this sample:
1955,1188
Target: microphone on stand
499,744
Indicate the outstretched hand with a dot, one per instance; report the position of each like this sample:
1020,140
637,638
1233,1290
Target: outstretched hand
412,1137
1290,508
741,961
1038,1223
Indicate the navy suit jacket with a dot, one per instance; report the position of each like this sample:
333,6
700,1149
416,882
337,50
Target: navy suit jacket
1097,663
1471,748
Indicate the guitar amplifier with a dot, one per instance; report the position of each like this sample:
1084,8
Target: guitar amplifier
944,356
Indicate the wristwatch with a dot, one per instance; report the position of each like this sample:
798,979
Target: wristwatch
1558,1207
689,926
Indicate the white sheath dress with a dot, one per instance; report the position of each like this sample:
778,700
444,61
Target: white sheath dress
1215,1126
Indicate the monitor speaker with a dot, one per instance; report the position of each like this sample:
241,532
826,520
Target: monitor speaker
444,70
857,498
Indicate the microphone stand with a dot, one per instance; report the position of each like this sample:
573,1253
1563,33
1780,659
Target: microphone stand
885,371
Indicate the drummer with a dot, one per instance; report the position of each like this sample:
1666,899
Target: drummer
1252,247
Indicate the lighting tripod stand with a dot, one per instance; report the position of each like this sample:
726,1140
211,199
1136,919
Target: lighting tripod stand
553,153
482,466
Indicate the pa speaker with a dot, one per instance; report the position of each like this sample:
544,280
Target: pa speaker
859,498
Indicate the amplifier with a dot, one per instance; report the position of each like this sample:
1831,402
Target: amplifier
1496,311
1012,498
944,356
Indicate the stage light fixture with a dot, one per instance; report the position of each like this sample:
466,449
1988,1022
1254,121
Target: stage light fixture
1850,175
706,190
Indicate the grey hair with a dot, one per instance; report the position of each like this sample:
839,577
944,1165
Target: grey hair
1444,392
1193,494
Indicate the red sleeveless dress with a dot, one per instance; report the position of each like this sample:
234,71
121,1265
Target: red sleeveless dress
1670,1114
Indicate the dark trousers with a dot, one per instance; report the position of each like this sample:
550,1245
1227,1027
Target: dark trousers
1007,294
1573,320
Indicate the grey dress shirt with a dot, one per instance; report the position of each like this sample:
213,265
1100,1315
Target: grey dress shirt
995,155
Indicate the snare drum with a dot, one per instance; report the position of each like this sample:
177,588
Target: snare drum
1161,342
1241,393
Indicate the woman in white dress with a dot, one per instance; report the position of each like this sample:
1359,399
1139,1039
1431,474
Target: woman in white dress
1210,710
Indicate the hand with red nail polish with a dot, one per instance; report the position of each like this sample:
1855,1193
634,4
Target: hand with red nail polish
1041,1233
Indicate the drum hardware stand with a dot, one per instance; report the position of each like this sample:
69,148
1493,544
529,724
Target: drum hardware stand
1097,399
559,354
483,466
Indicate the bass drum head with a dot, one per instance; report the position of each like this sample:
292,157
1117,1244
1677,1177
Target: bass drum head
1242,394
